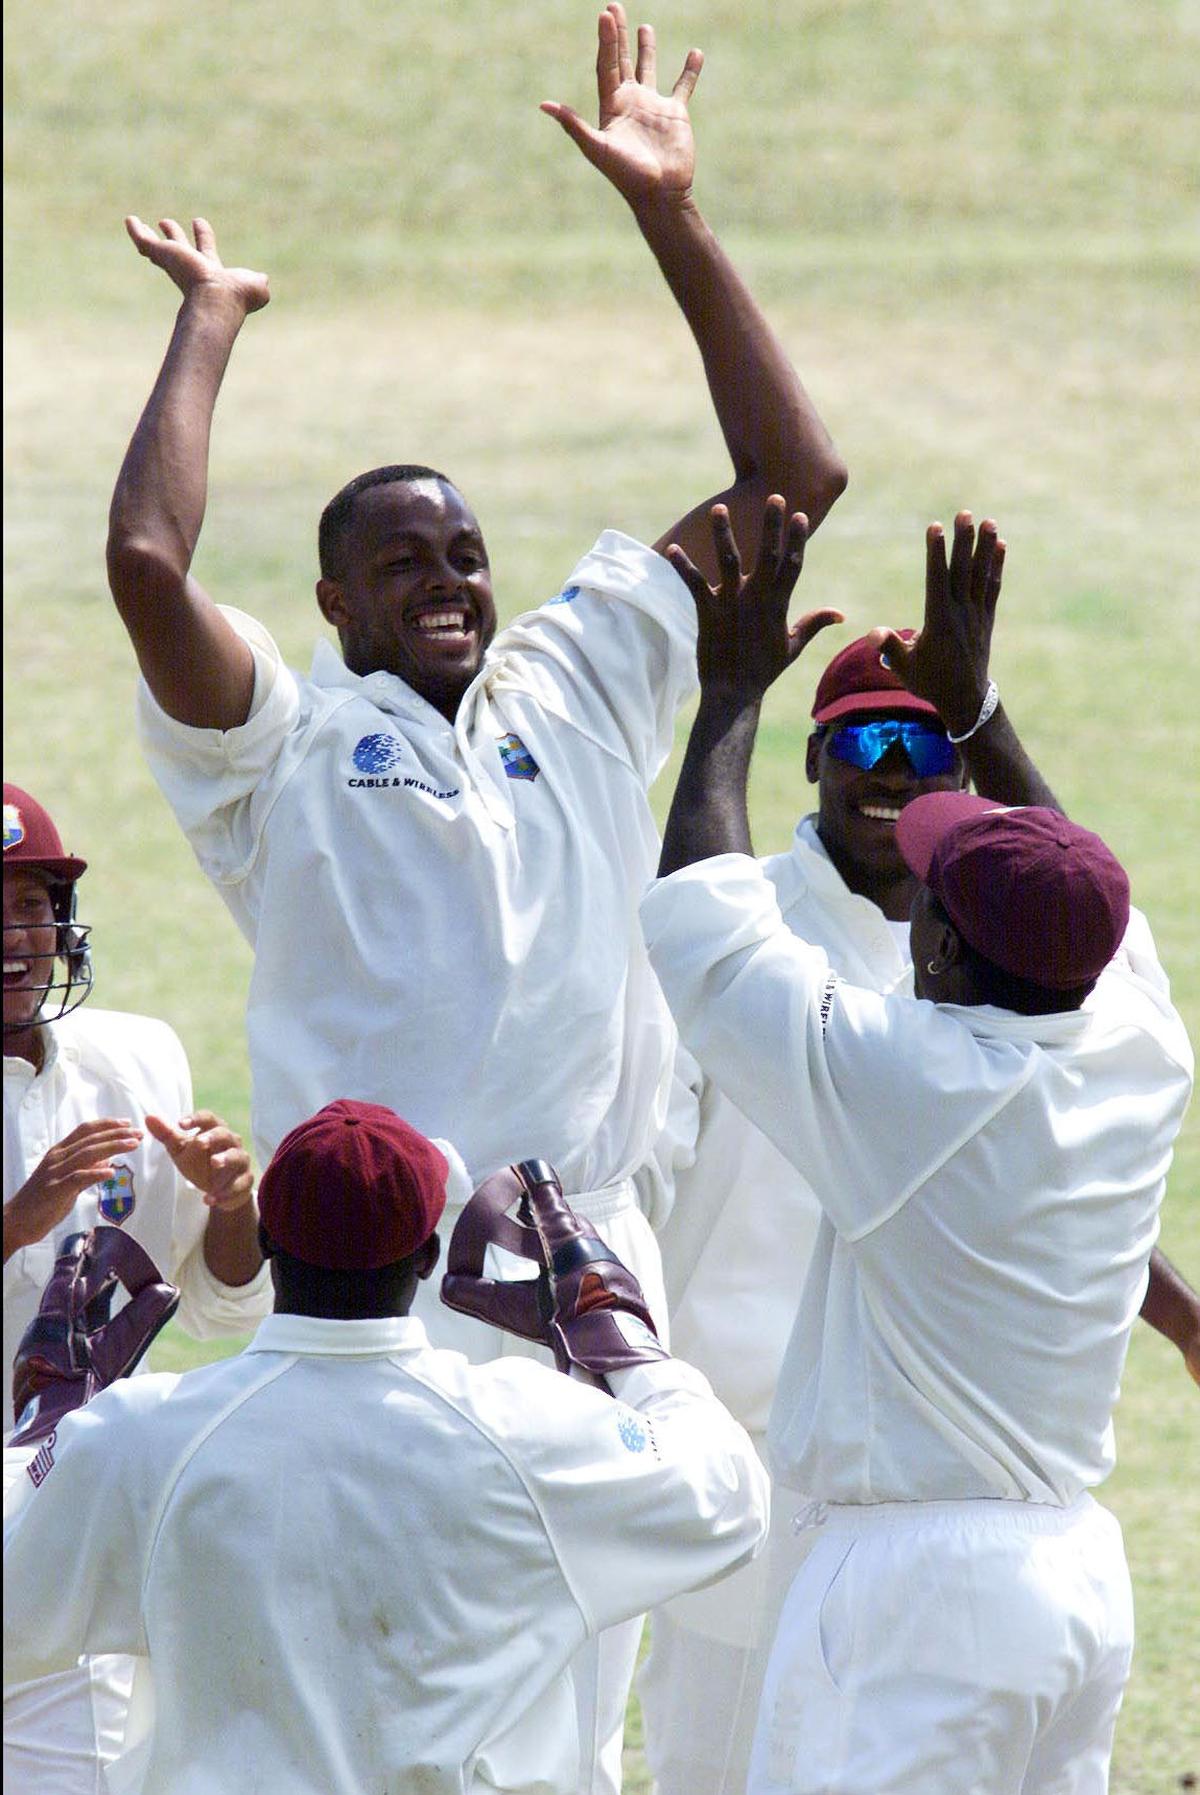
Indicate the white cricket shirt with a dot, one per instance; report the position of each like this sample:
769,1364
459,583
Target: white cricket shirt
990,1186
106,1063
359,1563
444,915
743,1220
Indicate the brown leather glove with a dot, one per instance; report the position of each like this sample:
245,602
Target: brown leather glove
72,1348
584,1304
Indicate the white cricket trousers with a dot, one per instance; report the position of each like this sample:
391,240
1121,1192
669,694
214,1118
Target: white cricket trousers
700,1682
603,1669
949,1648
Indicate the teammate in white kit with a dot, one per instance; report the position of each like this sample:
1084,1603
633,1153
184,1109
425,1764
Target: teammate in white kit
743,1220
99,1126
355,1561
989,1171
436,843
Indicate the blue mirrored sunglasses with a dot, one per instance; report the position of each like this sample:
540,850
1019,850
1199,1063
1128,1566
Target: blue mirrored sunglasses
930,750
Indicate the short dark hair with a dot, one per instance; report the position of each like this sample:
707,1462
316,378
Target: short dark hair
1007,990
334,526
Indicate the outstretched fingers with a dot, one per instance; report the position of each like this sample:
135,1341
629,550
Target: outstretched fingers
729,559
608,59
647,57
984,586
143,238
937,572
688,572
995,575
810,625
895,652
961,554
685,87
576,128
624,60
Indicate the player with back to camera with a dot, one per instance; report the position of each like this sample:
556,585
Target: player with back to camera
438,824
989,1158
359,1562
743,1222
99,1126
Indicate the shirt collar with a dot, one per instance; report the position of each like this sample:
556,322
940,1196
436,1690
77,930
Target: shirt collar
990,1023
321,1337
17,1067
387,691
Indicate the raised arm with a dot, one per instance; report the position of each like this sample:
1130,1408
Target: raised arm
744,644
947,663
196,665
775,438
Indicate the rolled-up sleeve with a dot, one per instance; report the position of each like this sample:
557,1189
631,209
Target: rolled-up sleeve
209,1309
210,777
613,655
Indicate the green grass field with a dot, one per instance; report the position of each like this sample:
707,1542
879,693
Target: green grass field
976,230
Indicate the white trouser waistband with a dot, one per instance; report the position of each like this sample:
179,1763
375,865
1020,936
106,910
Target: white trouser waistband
603,1204
985,1511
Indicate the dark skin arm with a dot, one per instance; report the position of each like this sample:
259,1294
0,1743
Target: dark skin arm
1172,1308
195,663
211,1156
947,663
644,147
744,644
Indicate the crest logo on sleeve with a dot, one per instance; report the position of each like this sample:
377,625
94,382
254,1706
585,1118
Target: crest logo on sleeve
378,753
565,596
516,759
632,1432
117,1195
14,828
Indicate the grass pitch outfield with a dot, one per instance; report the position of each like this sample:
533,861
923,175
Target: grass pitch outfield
975,229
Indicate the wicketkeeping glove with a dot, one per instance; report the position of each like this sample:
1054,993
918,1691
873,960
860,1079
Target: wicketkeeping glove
72,1348
584,1304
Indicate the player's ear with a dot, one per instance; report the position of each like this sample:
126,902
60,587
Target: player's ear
948,951
812,756
427,1256
332,602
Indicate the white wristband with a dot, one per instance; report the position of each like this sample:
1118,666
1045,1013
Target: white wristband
991,699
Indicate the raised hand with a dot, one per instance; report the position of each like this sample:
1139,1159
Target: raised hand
59,1179
210,1156
947,662
644,143
745,642
200,266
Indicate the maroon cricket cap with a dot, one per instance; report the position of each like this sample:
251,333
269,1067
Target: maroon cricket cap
857,679
353,1188
30,838
1027,888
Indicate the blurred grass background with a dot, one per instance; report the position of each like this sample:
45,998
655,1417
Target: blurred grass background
975,229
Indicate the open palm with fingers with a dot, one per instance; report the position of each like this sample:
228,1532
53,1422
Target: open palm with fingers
197,265
644,142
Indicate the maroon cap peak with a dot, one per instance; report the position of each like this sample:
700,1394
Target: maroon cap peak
859,679
353,1188
1033,892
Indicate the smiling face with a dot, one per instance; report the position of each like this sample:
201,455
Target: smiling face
30,950
413,592
858,808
